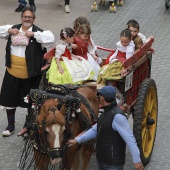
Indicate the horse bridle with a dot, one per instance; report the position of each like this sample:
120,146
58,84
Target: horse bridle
57,152
72,104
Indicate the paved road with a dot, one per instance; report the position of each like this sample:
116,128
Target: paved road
154,21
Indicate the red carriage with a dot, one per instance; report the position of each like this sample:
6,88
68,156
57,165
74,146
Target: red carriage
140,99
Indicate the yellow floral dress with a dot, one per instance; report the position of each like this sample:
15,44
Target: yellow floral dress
75,71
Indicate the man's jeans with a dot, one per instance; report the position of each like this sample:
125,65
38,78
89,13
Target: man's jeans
103,166
24,3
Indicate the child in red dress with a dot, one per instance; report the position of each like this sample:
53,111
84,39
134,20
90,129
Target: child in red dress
125,47
84,47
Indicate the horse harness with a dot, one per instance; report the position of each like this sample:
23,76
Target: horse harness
72,100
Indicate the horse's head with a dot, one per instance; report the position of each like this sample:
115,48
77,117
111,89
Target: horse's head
51,126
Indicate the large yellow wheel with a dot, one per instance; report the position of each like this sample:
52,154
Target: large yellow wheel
145,119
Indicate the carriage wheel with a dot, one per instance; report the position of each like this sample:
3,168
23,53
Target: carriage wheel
145,119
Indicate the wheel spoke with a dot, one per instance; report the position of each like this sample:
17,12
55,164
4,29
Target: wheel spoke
149,95
148,98
149,135
146,141
144,137
143,133
145,113
151,105
144,123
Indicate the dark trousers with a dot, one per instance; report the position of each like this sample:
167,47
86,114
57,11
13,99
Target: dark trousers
24,3
67,2
14,90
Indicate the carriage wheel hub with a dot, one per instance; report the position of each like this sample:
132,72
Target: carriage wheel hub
150,121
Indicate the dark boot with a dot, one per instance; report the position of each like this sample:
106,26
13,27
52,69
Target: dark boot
11,123
19,9
33,7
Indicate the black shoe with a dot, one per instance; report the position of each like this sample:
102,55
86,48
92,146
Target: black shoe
19,9
33,7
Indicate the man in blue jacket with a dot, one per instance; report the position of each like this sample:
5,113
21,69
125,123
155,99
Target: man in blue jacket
112,133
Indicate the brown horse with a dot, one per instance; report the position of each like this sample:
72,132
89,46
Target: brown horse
52,126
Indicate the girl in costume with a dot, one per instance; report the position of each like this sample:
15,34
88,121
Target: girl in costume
125,49
83,20
67,68
84,47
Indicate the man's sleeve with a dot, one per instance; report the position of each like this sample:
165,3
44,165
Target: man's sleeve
4,30
46,38
88,135
121,125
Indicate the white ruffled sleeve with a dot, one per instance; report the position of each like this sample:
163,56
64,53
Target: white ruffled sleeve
142,37
4,30
46,38
60,49
130,50
92,47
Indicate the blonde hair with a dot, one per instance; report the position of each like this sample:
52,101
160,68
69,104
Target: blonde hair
79,21
84,29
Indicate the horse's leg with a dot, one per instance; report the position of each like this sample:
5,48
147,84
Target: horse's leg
86,155
41,160
70,158
77,161
82,157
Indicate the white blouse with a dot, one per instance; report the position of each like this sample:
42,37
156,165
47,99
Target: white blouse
129,50
60,48
92,48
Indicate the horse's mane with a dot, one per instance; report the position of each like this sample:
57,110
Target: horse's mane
55,117
50,114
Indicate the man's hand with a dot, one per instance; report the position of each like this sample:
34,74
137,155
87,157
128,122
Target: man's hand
138,166
13,31
71,142
29,34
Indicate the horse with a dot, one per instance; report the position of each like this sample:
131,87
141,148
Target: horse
55,128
